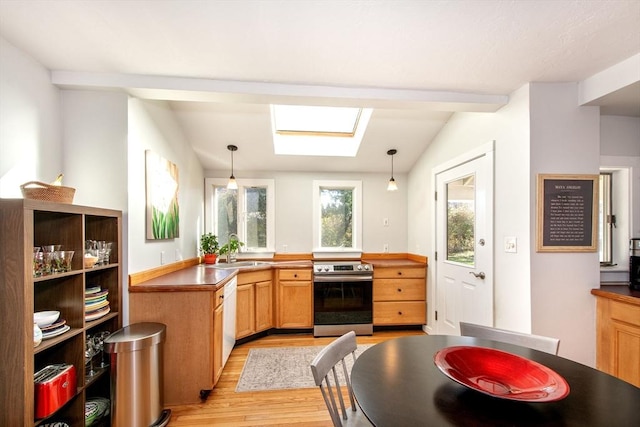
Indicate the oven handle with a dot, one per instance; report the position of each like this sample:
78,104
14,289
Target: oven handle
342,278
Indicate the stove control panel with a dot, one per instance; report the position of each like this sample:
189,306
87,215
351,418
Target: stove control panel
342,267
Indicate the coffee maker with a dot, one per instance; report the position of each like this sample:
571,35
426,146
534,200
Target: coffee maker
634,264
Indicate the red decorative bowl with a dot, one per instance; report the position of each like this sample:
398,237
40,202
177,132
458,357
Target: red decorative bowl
501,374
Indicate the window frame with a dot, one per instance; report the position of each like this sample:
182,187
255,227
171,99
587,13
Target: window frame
210,223
356,244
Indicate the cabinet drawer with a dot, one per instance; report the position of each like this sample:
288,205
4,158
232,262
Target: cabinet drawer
391,273
294,274
625,312
254,276
219,297
399,313
399,290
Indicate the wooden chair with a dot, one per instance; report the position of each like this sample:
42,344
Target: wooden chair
536,342
324,363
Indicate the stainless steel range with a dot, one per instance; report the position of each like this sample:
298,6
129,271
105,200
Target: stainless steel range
342,298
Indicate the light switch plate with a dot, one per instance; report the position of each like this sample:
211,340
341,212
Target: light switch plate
510,244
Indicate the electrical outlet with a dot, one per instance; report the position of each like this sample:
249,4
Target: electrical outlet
385,222
510,244
385,248
161,257
284,248
178,255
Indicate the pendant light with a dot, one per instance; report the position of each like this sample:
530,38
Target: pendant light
392,186
232,184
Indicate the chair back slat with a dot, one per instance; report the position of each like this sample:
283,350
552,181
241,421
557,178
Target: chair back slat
536,342
324,367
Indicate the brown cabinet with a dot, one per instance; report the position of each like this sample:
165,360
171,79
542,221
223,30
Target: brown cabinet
254,305
618,338
193,346
264,305
216,343
294,298
23,225
399,296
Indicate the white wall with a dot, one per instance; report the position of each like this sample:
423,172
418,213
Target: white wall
30,132
152,126
464,132
294,216
541,130
565,139
95,146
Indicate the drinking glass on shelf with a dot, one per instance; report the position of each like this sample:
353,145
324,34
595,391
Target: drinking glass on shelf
90,350
99,343
48,263
66,257
38,262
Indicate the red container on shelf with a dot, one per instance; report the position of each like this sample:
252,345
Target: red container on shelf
55,385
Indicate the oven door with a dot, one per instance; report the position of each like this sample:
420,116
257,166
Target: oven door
342,300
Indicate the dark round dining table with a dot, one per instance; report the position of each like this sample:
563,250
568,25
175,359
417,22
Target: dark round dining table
397,383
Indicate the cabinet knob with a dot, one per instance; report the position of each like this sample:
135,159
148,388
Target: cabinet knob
400,313
399,273
399,289
295,275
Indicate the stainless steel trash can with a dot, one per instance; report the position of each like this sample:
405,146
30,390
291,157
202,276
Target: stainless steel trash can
136,354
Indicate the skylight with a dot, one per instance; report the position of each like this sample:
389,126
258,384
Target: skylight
318,131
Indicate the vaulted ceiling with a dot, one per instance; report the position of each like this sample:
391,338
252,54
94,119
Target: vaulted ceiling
220,63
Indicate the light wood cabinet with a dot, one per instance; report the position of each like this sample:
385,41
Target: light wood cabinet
254,306
216,343
193,346
23,225
294,298
618,339
399,296
264,305
245,310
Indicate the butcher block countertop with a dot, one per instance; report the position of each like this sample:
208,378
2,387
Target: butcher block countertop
190,276
204,277
395,263
619,291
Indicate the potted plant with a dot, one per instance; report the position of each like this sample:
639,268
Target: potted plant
209,247
232,247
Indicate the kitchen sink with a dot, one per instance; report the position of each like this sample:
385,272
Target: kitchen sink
241,264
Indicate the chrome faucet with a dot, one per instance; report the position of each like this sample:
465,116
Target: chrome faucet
230,257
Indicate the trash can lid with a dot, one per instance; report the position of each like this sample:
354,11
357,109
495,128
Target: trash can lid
135,337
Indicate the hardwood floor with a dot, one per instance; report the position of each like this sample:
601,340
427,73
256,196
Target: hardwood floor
299,407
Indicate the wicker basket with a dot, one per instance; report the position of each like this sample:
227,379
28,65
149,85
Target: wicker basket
51,193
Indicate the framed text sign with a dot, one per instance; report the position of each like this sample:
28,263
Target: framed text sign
567,219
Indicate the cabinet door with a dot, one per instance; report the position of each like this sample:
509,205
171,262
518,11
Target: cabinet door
217,343
295,304
264,305
245,311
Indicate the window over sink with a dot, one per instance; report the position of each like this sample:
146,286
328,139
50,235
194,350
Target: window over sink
248,212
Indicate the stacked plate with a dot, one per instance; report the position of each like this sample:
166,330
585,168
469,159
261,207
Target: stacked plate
96,304
50,324
94,409
59,327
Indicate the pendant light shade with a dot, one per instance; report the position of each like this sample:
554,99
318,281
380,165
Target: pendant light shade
392,186
232,184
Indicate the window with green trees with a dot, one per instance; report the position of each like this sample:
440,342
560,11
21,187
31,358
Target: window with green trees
337,219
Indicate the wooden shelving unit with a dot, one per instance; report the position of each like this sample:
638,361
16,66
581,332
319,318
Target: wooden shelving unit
23,225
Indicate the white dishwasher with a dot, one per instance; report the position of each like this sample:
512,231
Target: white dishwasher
229,319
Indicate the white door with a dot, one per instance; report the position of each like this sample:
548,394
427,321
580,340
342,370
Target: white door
464,244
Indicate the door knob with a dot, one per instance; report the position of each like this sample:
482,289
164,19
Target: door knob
480,275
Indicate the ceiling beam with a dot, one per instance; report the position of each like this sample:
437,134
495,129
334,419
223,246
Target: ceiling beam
209,90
